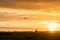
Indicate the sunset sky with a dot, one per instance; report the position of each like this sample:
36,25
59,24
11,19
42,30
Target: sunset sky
42,15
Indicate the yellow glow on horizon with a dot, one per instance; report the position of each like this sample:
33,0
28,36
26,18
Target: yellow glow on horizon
52,26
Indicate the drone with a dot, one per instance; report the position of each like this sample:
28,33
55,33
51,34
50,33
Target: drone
25,17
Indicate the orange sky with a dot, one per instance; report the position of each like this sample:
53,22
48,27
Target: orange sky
38,12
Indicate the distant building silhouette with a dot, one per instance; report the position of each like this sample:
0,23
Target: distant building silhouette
36,31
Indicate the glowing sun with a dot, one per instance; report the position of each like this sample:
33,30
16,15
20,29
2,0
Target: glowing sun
52,26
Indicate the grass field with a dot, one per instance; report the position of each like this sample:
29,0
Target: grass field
29,36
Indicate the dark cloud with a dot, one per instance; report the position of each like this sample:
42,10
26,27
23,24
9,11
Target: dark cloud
29,4
36,0
6,3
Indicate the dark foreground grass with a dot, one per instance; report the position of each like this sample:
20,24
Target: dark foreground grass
29,36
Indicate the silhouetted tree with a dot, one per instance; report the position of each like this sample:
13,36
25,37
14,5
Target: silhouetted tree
36,31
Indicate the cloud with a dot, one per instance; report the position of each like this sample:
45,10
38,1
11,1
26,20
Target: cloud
4,16
44,5
30,4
